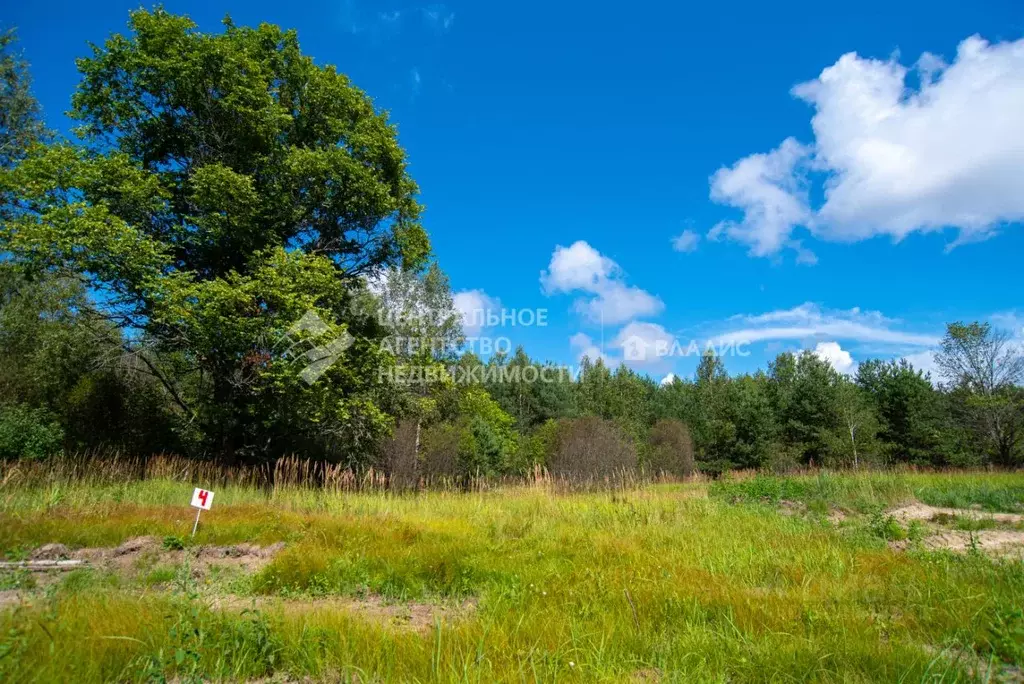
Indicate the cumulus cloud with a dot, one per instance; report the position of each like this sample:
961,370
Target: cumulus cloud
583,345
473,306
608,299
646,345
925,361
892,160
686,241
769,190
836,356
809,321
668,379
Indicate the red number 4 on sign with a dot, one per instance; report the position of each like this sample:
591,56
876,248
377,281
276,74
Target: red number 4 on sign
202,498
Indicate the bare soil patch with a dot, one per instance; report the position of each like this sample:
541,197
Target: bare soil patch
10,598
142,551
920,511
996,542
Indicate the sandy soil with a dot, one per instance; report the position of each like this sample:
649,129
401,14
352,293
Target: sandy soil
1008,543
920,511
150,550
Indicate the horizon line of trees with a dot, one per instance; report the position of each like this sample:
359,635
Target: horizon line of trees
223,188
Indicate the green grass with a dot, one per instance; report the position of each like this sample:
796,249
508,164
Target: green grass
658,582
871,491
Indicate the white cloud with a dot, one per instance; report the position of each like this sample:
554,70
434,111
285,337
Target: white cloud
808,321
686,241
767,187
1011,322
835,355
583,346
473,306
668,379
577,267
925,361
895,160
646,345
581,268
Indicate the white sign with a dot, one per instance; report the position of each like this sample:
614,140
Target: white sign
202,499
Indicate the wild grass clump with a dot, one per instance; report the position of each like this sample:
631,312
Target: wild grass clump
990,492
869,491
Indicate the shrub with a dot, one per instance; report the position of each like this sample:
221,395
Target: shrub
539,446
398,456
28,433
442,450
173,543
783,459
591,448
671,448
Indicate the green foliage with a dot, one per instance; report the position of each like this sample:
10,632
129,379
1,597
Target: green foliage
228,261
908,409
173,543
671,449
28,433
238,187
1007,634
886,527
20,123
985,369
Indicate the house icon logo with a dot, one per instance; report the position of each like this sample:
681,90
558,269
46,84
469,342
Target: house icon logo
634,348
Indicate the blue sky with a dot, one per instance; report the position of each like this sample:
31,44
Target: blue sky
818,218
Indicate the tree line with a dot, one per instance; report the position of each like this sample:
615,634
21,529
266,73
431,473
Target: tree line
215,263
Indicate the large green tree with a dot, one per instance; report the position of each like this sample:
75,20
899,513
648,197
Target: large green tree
20,120
908,409
984,368
227,201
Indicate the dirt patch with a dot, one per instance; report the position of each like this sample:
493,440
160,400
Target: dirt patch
10,598
837,516
997,542
787,507
979,667
920,511
412,615
994,542
142,552
51,552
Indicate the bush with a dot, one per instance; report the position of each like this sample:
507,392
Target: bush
539,446
590,449
671,448
783,459
28,433
398,457
443,448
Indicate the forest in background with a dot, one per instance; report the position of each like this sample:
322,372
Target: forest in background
218,265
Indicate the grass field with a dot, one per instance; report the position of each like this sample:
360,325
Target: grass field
759,579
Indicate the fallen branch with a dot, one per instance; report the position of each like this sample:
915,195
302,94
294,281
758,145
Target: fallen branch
43,565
